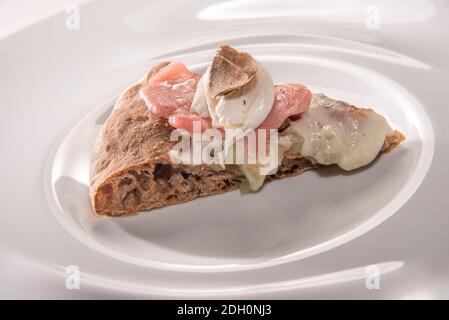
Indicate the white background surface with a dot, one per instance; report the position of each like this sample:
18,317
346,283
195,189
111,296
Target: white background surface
19,14
113,48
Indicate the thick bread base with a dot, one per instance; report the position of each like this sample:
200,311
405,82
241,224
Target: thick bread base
155,185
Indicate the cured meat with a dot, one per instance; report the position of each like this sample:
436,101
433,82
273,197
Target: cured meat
186,120
171,90
174,72
291,100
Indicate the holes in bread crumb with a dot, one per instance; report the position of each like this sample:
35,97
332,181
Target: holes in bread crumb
131,199
226,184
142,176
289,169
230,183
125,182
162,171
185,174
294,167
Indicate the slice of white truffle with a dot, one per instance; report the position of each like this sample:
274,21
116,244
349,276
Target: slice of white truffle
230,70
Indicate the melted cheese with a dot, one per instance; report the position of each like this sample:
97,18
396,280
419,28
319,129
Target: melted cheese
252,172
333,132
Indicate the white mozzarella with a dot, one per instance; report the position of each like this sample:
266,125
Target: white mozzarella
244,109
248,107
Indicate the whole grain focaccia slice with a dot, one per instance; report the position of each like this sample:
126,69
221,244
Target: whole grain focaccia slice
130,166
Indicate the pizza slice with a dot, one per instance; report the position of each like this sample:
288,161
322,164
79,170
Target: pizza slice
133,167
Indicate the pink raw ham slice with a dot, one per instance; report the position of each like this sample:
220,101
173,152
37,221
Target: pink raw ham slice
171,90
173,72
186,120
291,100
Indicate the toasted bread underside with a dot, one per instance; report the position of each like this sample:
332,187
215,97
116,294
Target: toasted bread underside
131,171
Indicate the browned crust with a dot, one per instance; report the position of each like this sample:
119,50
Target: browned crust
131,137
392,141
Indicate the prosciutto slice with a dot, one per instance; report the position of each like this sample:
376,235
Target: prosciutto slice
170,92
185,121
291,100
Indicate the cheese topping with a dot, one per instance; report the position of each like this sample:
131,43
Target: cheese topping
334,132
245,108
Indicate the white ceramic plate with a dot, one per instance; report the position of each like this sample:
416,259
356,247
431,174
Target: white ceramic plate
309,236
